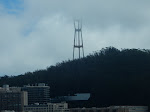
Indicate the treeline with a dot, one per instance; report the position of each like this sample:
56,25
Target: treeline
112,76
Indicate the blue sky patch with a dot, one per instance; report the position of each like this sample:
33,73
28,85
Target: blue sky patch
12,6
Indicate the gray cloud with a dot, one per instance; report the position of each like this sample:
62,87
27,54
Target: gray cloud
42,34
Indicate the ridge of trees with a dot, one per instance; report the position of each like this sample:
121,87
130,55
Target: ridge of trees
112,76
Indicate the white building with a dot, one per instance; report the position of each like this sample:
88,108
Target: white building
112,109
130,108
49,107
8,111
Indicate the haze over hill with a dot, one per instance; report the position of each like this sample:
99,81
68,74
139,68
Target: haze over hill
112,76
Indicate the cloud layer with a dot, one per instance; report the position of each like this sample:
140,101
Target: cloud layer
40,33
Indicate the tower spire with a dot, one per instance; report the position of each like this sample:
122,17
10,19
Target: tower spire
78,40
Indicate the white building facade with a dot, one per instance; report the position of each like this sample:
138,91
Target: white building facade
49,107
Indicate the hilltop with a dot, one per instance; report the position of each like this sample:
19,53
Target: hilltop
112,76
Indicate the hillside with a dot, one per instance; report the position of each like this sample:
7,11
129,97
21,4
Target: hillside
112,76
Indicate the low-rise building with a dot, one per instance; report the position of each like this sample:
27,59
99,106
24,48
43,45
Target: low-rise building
49,107
8,111
129,108
112,109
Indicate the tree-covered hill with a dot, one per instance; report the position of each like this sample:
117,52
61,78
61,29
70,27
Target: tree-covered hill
112,76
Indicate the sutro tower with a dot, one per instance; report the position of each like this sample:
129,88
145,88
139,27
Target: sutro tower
78,40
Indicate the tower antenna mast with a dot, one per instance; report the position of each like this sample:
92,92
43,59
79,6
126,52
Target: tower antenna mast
78,40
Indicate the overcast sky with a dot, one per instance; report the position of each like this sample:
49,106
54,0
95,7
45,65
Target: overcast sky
35,34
